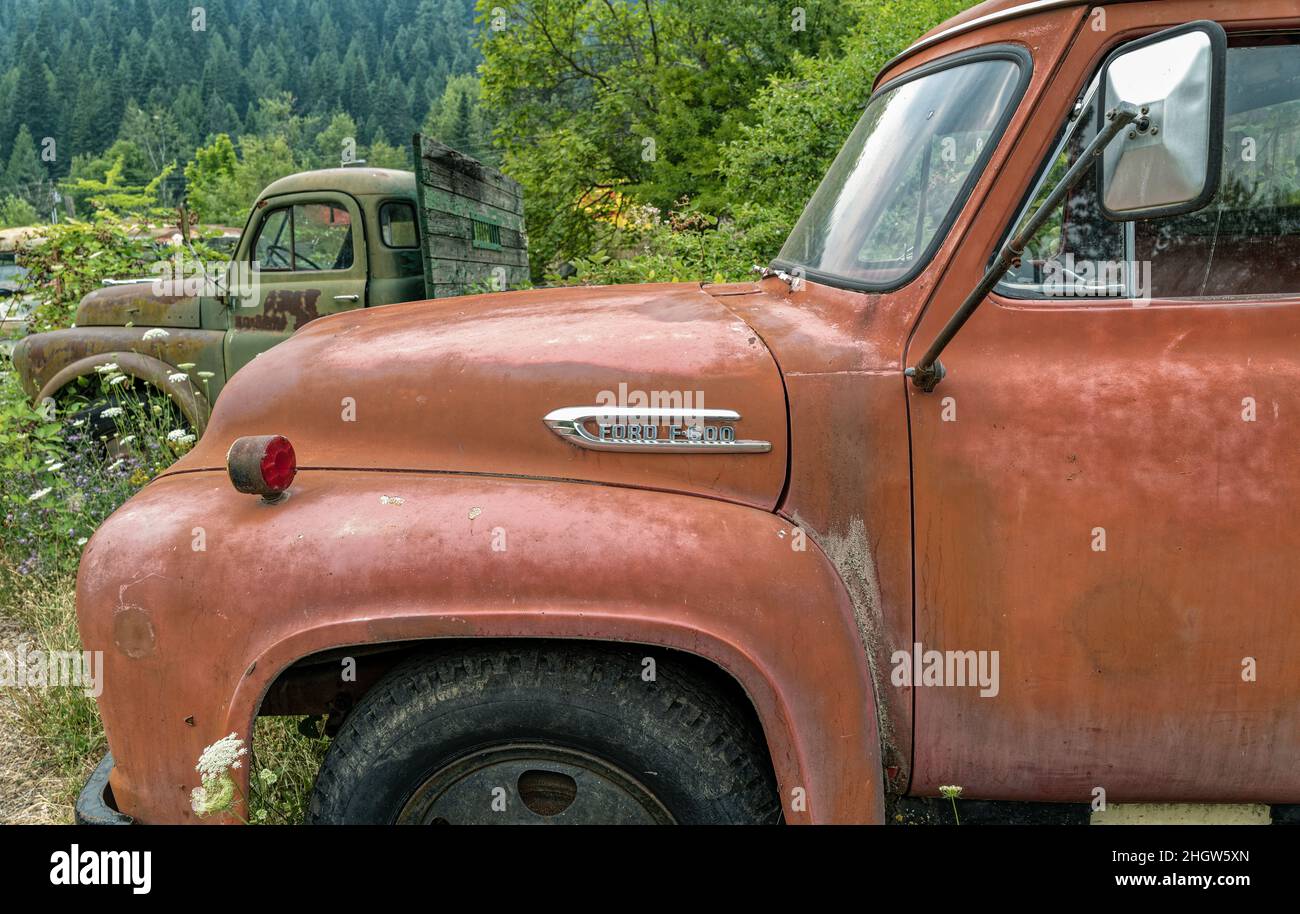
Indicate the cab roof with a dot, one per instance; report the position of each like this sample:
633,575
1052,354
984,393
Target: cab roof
358,180
982,14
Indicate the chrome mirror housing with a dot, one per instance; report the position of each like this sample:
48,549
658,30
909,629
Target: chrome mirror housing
1169,160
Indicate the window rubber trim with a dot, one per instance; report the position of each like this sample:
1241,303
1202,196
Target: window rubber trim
1013,52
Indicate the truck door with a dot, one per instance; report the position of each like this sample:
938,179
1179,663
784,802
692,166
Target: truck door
307,257
1107,483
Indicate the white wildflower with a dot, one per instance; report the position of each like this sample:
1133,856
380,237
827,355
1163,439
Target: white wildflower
115,464
120,379
112,412
223,754
82,541
177,376
127,440
206,374
215,796
39,494
54,467
176,434
106,369
156,333
185,366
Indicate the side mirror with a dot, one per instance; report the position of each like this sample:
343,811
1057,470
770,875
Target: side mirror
1169,160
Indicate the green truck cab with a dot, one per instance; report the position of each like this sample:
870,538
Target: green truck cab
315,243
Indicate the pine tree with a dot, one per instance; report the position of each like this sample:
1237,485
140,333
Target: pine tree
25,174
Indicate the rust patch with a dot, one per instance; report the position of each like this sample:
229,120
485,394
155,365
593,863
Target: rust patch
138,304
850,553
133,631
279,308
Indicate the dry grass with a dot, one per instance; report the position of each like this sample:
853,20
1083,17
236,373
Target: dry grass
52,738
31,792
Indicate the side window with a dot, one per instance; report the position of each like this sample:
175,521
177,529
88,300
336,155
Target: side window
274,249
306,236
397,225
322,237
1246,242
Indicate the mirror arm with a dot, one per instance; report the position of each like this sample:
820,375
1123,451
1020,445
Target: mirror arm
927,373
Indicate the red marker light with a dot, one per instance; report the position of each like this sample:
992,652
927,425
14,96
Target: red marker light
261,465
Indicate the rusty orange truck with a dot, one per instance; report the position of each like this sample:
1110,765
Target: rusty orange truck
990,481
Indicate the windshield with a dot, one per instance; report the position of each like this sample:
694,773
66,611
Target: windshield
898,180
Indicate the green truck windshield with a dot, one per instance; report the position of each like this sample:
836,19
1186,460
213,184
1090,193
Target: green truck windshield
899,179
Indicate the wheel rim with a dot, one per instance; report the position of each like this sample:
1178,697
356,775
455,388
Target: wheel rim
532,784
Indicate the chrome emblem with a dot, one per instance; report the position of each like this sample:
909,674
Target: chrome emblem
652,430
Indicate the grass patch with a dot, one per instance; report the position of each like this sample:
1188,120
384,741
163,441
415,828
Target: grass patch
58,482
62,728
284,771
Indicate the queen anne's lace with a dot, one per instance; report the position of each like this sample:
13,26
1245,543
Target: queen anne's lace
214,767
223,754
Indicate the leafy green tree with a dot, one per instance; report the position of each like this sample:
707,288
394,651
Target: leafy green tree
279,115
116,194
210,180
383,154
801,119
154,134
651,90
15,211
223,185
331,142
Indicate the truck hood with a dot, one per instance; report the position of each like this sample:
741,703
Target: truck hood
462,385
136,303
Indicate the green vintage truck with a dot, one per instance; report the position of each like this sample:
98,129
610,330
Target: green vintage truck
315,243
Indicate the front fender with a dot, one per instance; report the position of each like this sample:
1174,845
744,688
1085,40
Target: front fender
48,362
200,597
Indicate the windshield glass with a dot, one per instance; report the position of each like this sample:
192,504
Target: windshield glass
900,176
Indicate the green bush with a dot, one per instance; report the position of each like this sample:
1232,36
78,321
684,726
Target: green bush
15,211
686,246
73,258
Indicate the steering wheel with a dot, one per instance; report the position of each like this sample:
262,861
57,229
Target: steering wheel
286,255
307,260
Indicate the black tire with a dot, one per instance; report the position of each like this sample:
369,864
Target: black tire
546,732
103,429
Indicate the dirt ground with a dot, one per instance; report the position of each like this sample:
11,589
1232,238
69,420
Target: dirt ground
24,787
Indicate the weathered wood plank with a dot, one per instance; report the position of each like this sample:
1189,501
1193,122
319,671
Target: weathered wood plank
455,192
440,247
